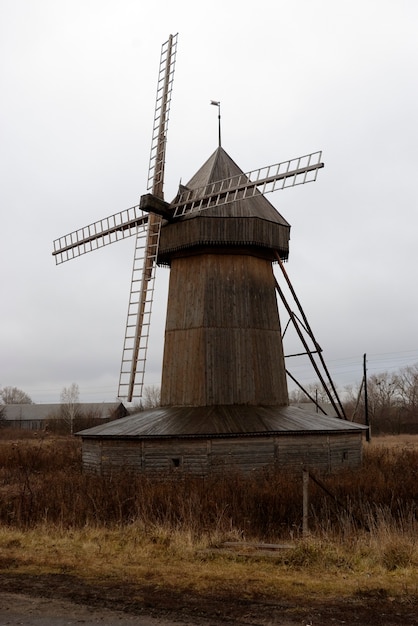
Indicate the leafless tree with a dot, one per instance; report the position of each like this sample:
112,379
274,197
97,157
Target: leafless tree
13,395
407,384
151,397
315,391
392,401
70,405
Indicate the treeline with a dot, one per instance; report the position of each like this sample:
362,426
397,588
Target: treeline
392,401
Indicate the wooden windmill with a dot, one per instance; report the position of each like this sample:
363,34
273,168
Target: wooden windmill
220,236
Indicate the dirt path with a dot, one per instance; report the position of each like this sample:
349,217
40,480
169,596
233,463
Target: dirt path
29,611
64,600
19,609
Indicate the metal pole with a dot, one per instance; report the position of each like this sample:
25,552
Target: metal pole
216,103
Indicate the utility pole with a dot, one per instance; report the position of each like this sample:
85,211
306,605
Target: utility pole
366,402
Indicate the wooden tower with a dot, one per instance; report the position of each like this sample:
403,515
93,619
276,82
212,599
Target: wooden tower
223,341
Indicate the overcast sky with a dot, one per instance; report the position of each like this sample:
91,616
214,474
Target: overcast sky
78,82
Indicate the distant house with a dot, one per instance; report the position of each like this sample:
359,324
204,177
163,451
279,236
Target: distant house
38,416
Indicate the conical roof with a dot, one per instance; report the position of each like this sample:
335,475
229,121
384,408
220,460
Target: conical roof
251,222
220,166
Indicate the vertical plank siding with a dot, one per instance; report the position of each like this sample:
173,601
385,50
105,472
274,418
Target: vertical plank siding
223,338
224,230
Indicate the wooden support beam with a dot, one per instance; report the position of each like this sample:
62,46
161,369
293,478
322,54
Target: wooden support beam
151,204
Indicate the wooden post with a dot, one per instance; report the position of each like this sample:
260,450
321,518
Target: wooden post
305,480
366,401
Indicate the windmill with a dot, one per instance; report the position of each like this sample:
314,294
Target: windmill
226,202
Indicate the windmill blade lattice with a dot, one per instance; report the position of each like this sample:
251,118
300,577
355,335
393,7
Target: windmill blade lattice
131,380
144,221
290,173
162,114
99,234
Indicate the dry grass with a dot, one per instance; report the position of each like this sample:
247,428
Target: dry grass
53,519
398,441
175,560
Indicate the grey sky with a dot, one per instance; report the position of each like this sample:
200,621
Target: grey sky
78,83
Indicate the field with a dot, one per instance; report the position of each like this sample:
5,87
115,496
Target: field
228,548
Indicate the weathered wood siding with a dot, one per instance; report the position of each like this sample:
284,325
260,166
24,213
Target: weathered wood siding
207,231
186,455
27,424
325,452
223,339
244,454
103,456
92,455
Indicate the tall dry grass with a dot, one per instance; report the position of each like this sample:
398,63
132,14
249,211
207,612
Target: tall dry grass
41,482
54,519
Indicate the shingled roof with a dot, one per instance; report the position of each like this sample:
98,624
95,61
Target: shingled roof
251,223
220,166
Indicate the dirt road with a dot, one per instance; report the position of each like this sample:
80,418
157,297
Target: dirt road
23,610
28,611
64,600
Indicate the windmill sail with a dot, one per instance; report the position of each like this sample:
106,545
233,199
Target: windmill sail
266,179
145,220
98,234
134,220
135,347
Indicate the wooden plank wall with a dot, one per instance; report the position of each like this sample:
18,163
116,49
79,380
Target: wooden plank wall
92,455
187,455
246,454
223,339
325,452
28,424
248,231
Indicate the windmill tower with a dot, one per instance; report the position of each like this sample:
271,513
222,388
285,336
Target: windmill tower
222,312
223,375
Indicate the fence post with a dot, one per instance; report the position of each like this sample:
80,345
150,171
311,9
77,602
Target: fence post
305,500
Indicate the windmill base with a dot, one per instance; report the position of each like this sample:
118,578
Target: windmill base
206,440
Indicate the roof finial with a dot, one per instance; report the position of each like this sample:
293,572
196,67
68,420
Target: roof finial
218,104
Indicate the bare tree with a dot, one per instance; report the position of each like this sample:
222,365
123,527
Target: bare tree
315,391
152,397
407,383
383,399
69,404
385,403
13,395
353,402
